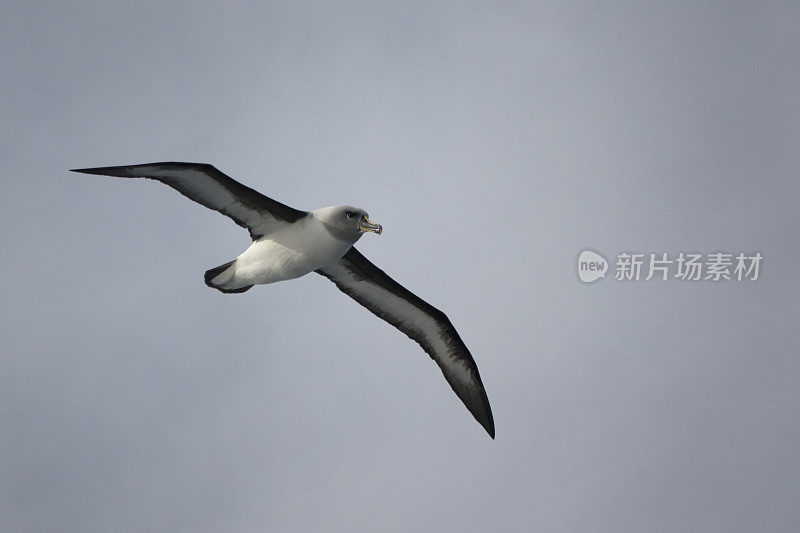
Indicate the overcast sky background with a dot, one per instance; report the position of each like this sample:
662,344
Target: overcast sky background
493,144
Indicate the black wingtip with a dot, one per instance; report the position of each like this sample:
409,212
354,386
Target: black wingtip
478,404
120,172
143,170
480,409
488,425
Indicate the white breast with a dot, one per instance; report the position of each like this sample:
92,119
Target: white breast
292,252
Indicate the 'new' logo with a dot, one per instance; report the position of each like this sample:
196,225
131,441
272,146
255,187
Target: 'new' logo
591,266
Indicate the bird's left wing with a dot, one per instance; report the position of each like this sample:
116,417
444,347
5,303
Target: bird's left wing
370,286
208,186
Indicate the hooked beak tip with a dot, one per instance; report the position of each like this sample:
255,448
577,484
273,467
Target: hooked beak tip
367,225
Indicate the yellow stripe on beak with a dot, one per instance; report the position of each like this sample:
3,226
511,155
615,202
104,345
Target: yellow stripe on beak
366,225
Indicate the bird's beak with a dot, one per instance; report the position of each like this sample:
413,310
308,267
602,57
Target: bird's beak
366,225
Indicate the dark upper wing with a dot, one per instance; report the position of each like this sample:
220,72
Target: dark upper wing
208,186
357,277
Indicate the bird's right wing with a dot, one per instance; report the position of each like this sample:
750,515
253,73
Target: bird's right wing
370,286
208,186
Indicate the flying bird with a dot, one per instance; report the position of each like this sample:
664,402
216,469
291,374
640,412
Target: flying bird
289,243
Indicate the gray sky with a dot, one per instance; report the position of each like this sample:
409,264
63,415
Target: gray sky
493,144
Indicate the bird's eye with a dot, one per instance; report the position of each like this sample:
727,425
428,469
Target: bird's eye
350,214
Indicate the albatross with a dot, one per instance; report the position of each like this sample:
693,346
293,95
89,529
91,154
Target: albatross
289,243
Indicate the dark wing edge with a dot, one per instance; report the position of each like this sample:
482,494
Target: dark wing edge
207,186
370,286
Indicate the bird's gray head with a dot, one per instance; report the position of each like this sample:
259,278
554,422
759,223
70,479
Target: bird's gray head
346,222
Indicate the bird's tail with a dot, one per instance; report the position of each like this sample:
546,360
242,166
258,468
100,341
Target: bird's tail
218,277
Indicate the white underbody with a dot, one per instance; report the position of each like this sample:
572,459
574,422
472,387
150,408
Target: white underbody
288,253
